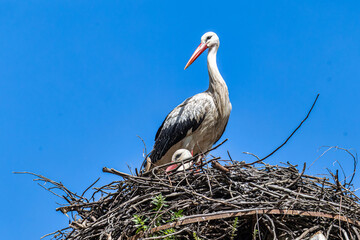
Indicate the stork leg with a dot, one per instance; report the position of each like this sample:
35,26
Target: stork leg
198,163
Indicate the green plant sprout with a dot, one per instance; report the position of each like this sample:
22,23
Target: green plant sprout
160,205
234,226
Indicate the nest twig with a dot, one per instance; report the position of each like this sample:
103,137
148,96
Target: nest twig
222,199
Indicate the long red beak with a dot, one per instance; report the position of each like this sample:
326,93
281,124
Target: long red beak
171,167
200,49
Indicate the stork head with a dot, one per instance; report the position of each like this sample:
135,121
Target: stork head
180,155
208,40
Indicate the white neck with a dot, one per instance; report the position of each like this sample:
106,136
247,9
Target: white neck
217,85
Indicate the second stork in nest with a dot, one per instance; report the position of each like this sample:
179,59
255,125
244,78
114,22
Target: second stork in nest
200,121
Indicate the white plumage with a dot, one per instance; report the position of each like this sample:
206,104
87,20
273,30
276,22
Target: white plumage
318,236
178,157
198,122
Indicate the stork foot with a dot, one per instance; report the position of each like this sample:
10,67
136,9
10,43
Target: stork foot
198,163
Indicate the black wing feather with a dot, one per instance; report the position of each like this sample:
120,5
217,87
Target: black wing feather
168,136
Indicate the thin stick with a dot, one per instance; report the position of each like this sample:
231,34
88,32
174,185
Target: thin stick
317,96
251,212
90,187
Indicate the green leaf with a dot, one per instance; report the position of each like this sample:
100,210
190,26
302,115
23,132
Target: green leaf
196,237
140,223
159,202
234,229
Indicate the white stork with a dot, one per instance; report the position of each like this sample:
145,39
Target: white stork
179,156
198,122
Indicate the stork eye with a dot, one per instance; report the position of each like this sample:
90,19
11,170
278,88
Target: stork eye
208,38
178,155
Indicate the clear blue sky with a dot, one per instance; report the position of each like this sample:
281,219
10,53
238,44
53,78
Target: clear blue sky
79,80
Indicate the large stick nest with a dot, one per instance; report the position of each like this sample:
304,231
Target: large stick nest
221,199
